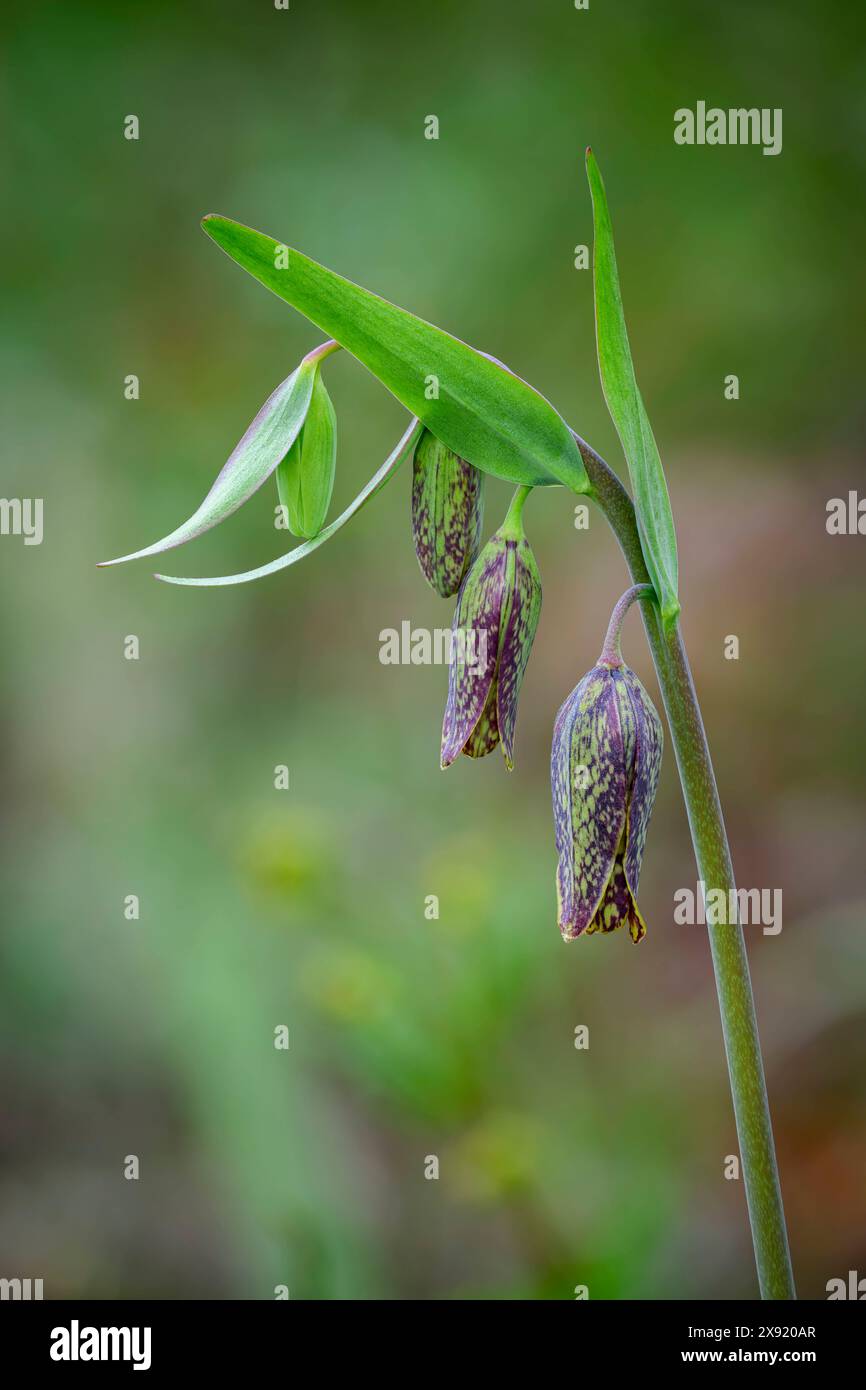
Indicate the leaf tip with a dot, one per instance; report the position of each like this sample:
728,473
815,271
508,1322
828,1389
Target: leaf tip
213,223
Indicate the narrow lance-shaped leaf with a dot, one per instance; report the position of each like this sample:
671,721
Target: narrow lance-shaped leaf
484,414
402,450
652,504
305,477
250,463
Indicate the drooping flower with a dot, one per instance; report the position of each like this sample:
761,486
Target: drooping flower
447,511
607,752
493,629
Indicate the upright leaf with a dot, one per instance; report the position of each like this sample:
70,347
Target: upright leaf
652,504
482,412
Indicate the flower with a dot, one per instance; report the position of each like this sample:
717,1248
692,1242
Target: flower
498,606
447,511
607,752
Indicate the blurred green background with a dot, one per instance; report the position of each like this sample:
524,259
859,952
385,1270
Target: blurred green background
259,907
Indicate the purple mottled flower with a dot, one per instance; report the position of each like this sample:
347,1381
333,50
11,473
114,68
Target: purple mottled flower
607,752
499,603
447,511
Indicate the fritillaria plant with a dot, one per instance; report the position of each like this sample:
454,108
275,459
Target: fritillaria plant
471,416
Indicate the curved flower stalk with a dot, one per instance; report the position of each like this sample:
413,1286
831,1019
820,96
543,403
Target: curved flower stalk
482,416
499,604
607,753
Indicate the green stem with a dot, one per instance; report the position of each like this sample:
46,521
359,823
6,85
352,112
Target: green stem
512,526
318,354
611,652
715,870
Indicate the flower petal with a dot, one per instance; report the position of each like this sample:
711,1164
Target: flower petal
447,512
613,910
588,776
520,626
485,735
618,907
649,742
478,610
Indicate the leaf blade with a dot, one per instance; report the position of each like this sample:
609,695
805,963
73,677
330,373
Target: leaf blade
402,450
625,404
256,455
488,416
305,477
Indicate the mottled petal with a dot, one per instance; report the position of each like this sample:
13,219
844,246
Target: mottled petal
479,606
588,776
615,907
627,722
485,735
649,741
447,513
524,607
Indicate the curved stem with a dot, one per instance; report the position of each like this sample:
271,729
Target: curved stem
611,652
318,354
715,870
512,526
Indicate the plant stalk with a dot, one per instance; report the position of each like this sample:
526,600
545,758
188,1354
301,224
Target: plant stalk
715,870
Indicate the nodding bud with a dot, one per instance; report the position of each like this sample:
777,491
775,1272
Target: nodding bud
305,477
447,510
498,609
607,752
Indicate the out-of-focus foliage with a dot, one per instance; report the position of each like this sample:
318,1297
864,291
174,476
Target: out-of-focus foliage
411,1035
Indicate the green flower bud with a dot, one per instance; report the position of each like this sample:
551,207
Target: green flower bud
447,511
305,477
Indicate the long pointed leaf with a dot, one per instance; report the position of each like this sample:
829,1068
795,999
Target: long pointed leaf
403,450
486,415
652,504
251,462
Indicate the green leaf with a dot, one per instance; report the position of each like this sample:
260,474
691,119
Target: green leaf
305,477
403,450
652,504
267,440
483,412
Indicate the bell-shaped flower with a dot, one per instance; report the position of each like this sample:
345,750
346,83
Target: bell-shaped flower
607,752
492,633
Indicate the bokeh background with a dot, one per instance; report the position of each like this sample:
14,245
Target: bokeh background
412,1037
